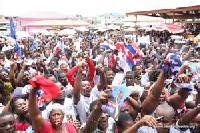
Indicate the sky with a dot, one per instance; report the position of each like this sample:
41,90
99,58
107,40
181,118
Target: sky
88,7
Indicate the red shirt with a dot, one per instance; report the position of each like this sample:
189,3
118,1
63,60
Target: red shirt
47,128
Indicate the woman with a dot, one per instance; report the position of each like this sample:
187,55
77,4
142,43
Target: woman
56,116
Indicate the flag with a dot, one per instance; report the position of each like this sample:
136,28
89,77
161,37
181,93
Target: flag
175,63
106,46
50,88
13,35
12,29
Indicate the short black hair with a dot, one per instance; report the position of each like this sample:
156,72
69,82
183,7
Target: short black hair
153,76
13,102
5,114
122,118
106,69
61,71
130,72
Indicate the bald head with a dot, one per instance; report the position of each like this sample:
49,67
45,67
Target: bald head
165,110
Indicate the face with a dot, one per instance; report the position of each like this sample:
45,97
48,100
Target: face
103,122
4,76
21,107
7,124
138,70
53,64
62,79
63,67
163,97
166,121
1,55
26,77
129,80
85,88
109,77
56,117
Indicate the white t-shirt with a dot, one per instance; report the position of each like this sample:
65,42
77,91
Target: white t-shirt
83,108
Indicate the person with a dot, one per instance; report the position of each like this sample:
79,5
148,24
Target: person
7,122
124,122
56,116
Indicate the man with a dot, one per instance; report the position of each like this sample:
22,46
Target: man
7,122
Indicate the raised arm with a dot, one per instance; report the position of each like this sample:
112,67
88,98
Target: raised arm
188,117
178,98
70,75
91,71
12,74
77,84
35,114
153,98
21,74
145,121
100,71
92,120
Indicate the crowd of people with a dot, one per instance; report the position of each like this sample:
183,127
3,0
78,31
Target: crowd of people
84,70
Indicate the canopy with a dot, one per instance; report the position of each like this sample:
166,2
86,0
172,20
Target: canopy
82,29
113,27
129,29
41,31
67,32
22,34
172,28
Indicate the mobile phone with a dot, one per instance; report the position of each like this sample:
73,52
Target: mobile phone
159,119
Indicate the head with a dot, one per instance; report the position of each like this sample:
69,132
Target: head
1,55
62,77
56,115
19,106
124,122
53,63
103,119
7,122
86,88
163,96
26,78
137,69
4,76
129,78
167,112
64,66
109,75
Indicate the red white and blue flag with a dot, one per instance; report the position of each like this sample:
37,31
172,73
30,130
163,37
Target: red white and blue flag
132,53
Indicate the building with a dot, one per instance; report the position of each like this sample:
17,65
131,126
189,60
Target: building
111,19
32,17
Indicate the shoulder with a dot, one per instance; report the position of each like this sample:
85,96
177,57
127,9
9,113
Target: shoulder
70,127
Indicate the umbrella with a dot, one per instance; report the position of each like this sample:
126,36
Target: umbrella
113,27
67,32
22,34
129,29
82,29
172,28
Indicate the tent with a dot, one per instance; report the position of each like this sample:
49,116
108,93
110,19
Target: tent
172,28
